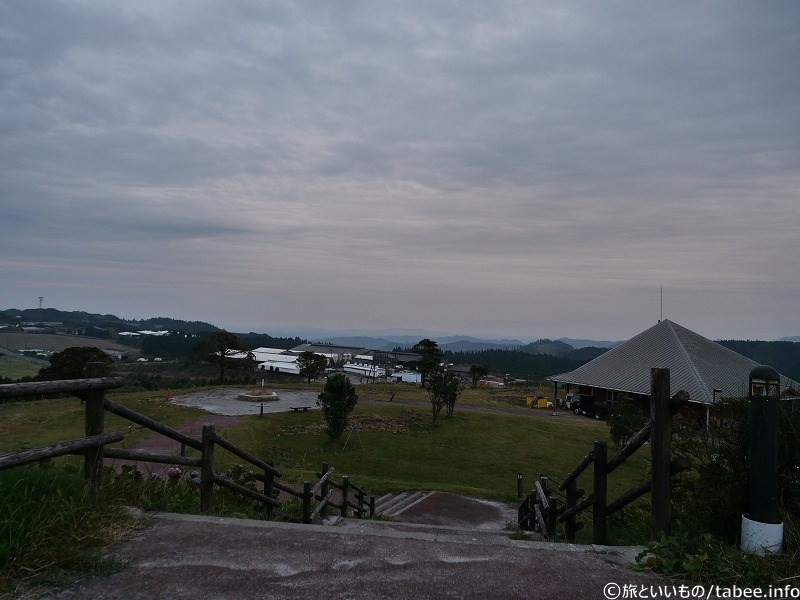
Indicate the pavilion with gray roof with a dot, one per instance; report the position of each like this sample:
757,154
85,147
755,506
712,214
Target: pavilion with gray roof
697,365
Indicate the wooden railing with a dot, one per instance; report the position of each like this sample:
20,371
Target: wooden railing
545,507
95,448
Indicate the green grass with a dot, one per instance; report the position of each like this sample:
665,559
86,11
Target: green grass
16,368
53,522
469,453
40,422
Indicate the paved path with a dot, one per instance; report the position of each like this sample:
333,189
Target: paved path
183,556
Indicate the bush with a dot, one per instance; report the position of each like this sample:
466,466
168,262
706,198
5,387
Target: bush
625,421
444,388
337,399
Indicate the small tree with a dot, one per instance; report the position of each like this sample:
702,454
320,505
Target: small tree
337,399
218,347
476,372
431,357
70,363
444,388
311,364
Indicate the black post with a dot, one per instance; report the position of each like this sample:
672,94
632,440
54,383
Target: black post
763,476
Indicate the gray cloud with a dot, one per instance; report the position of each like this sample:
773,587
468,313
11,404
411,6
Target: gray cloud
505,168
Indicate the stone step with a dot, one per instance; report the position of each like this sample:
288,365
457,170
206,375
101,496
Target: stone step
393,504
388,503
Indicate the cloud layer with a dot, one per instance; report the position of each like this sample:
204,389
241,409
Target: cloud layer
527,169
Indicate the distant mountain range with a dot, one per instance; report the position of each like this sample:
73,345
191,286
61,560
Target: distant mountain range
578,344
450,342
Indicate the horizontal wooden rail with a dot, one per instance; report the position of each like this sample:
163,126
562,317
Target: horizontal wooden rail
17,459
585,462
133,416
675,466
280,486
636,442
245,491
358,489
332,483
244,455
62,386
587,502
141,455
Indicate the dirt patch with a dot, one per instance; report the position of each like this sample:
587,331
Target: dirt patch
408,419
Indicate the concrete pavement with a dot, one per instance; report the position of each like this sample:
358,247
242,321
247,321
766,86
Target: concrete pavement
187,556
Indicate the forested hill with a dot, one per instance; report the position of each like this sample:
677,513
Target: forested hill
80,320
521,363
524,365
782,356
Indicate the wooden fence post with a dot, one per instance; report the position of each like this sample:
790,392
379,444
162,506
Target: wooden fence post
345,486
269,488
207,470
572,500
360,496
372,506
661,501
306,502
600,492
94,424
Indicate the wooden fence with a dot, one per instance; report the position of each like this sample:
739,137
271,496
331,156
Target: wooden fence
95,448
547,506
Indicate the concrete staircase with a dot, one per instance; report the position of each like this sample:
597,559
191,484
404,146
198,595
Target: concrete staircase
391,505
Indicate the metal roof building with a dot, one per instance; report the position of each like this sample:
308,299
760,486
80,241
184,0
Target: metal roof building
697,365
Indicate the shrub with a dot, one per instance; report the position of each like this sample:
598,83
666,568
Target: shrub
444,388
625,421
337,399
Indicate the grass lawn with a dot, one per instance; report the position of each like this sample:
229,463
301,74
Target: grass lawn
15,368
470,453
41,422
397,449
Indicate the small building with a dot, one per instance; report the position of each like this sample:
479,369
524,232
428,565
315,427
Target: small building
407,377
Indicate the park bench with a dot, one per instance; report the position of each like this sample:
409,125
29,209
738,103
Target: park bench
298,408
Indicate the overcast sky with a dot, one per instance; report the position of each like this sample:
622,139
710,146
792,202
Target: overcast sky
510,168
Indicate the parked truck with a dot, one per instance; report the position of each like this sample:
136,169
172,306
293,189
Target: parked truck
582,404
